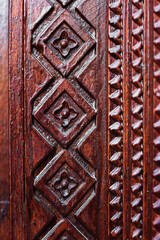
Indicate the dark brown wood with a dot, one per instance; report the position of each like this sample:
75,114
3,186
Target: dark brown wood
84,119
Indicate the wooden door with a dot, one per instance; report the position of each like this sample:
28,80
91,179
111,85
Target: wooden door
84,119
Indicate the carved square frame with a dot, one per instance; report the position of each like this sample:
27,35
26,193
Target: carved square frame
51,169
88,42
40,115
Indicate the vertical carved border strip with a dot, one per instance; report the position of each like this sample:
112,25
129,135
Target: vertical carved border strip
137,119
16,119
75,98
148,119
116,119
156,121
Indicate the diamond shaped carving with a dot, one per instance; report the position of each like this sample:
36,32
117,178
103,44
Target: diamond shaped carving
64,230
63,112
52,182
64,43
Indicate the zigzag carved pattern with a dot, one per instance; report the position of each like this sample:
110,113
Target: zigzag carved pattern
156,142
115,128
64,198
137,119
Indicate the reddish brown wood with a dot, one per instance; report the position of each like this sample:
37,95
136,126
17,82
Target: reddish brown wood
84,119
61,115
16,119
4,139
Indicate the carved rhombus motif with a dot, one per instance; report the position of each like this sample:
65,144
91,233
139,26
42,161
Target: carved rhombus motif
64,43
64,230
63,112
64,182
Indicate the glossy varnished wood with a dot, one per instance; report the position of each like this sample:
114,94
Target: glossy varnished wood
16,119
65,88
84,119
4,139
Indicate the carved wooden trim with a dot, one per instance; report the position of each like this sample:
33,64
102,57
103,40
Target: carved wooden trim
137,137
84,98
63,179
115,123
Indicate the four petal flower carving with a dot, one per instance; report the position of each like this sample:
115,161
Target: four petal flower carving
65,184
65,114
64,43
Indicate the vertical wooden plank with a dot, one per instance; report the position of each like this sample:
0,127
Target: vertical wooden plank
4,138
103,121
148,121
127,162
156,120
16,130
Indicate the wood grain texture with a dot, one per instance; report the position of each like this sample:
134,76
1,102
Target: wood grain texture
84,119
137,118
127,84
148,120
4,138
16,120
64,99
156,199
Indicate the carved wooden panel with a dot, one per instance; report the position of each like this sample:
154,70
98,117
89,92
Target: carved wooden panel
84,119
64,80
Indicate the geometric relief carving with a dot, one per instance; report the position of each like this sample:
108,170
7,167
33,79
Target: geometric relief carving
87,79
85,214
86,147
41,148
64,182
83,7
137,121
64,230
116,120
63,112
64,43
40,218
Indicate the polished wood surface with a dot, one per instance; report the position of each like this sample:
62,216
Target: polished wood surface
4,138
84,119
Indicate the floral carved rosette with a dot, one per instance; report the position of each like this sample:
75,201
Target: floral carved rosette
64,43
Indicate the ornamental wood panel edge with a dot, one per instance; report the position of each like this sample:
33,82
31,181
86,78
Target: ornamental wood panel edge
84,119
